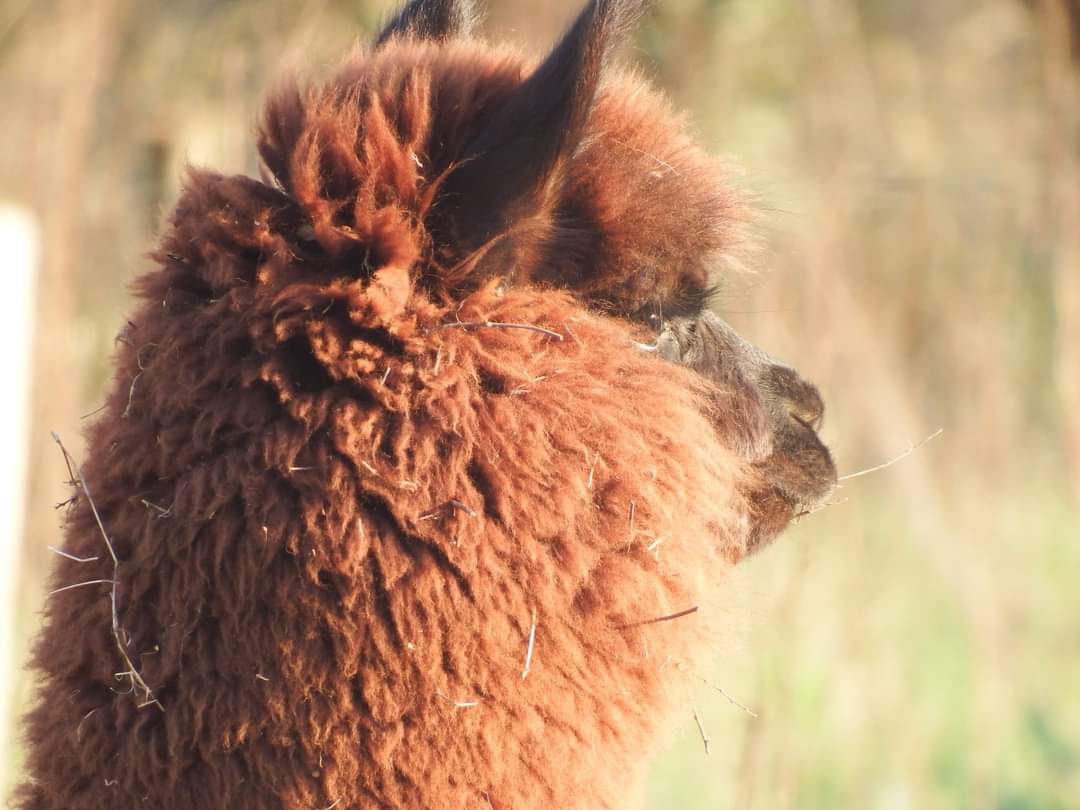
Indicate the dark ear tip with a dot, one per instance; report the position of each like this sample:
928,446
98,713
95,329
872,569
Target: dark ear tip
435,20
623,14
610,22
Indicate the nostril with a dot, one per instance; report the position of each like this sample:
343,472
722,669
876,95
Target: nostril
808,419
808,408
800,398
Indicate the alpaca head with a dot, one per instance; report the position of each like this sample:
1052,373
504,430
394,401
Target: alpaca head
434,164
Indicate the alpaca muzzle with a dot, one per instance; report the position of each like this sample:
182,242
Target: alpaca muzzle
764,410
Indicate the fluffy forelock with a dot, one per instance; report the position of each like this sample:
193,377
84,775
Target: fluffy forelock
635,213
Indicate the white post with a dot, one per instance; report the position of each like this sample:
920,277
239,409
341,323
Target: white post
19,257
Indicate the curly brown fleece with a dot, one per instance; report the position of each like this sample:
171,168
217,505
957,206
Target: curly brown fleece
347,508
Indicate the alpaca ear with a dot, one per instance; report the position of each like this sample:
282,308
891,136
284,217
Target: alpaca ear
431,19
505,168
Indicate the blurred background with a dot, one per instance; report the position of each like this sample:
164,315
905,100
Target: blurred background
916,168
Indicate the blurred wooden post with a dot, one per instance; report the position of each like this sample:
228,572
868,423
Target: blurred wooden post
19,247
1061,33
96,29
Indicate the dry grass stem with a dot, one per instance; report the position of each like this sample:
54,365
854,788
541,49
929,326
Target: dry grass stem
498,325
818,508
458,704
529,651
71,479
700,726
138,685
135,379
592,468
659,619
66,555
729,698
662,163
131,396
95,411
911,449
81,584
161,510
78,728
630,534
464,507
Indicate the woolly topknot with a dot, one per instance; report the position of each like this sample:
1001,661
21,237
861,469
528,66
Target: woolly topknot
404,159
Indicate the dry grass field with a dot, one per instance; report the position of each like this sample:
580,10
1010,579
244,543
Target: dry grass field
916,168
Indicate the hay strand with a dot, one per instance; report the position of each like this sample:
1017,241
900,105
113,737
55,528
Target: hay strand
138,685
669,617
500,325
700,726
911,449
69,556
529,651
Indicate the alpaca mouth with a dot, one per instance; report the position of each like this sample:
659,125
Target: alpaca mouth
764,411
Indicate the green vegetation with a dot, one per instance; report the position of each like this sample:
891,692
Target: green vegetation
881,681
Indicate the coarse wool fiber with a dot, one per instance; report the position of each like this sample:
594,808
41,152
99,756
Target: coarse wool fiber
375,549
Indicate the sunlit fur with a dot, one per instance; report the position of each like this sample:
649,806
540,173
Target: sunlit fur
338,511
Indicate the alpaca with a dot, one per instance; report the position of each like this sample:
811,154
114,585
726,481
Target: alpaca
424,453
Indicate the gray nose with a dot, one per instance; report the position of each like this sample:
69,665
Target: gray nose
767,408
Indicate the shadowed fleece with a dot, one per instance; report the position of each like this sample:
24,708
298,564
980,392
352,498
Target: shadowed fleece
378,545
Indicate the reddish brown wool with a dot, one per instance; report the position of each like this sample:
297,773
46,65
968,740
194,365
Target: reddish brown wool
341,494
